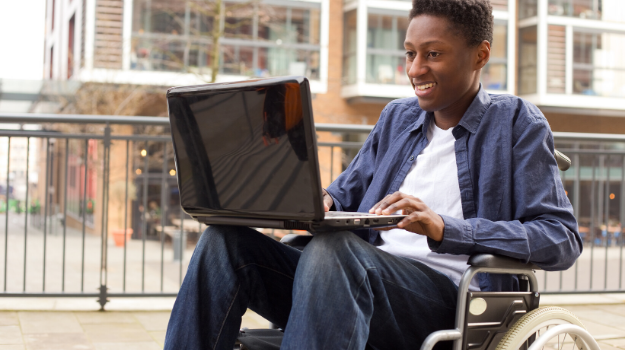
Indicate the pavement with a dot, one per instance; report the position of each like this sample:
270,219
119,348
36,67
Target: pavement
140,324
25,325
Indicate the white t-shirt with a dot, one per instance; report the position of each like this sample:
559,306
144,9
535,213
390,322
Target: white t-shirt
433,178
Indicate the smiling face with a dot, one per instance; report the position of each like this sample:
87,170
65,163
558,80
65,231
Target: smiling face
442,68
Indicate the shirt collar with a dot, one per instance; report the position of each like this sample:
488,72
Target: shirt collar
471,118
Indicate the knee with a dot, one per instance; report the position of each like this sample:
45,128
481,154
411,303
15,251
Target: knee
332,242
327,248
219,239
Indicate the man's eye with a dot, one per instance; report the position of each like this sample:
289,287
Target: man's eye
409,54
434,54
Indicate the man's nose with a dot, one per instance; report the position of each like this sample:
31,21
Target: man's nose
417,67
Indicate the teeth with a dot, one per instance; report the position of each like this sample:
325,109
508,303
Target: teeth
425,86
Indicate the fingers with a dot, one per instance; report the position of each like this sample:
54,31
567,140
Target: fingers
407,205
385,202
413,217
397,201
426,223
420,218
327,201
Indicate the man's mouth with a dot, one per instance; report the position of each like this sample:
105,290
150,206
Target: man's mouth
424,87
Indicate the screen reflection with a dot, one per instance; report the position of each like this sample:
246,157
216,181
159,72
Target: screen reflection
242,151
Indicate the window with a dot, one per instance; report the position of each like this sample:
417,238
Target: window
70,47
556,59
51,62
159,16
494,74
239,21
528,8
53,8
499,5
386,61
527,61
258,39
349,47
82,32
606,10
599,64
575,8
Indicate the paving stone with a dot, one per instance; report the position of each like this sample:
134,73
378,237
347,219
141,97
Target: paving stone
153,321
602,331
9,319
605,346
616,343
128,346
27,304
116,333
57,341
48,322
10,335
12,347
159,336
618,309
602,317
104,317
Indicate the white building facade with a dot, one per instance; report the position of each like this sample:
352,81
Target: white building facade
566,56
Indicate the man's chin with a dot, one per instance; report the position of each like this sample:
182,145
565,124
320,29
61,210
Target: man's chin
426,104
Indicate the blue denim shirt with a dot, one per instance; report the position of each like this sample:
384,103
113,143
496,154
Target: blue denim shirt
512,197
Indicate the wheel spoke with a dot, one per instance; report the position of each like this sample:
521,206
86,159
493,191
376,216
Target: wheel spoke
563,340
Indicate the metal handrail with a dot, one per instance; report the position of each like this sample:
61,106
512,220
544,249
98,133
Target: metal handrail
601,181
39,118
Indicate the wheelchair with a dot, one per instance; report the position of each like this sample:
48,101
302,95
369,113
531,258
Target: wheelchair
484,320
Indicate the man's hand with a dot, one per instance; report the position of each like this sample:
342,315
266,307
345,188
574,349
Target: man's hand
327,200
421,219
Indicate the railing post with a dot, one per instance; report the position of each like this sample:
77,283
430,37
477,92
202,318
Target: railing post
102,300
105,199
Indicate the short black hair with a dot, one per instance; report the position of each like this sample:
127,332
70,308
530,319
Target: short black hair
472,18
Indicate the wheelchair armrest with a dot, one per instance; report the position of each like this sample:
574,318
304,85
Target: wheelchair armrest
296,241
500,262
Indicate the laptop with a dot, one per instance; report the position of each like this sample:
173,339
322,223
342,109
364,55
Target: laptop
246,154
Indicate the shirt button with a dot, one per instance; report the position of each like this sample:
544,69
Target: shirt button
411,157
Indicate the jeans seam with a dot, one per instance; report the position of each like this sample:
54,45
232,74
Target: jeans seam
264,267
419,295
226,317
364,278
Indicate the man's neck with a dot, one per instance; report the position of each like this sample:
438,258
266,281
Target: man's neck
449,117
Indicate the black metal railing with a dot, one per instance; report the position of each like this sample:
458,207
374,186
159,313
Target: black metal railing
73,182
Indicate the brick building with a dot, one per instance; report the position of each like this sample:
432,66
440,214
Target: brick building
566,56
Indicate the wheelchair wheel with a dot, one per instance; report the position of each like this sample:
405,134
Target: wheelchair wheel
531,326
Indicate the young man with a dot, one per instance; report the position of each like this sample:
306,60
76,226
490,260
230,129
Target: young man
476,174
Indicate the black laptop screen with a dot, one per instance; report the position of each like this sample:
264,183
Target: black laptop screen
244,151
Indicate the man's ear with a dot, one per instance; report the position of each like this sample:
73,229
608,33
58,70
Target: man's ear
483,54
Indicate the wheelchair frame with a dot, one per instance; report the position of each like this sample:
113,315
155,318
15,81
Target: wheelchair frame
481,263
501,265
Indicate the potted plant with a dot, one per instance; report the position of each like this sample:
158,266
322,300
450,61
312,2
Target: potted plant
117,194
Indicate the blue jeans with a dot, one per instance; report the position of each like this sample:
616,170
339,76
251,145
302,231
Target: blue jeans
339,293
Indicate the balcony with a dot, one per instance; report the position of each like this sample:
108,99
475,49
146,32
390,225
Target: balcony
568,60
